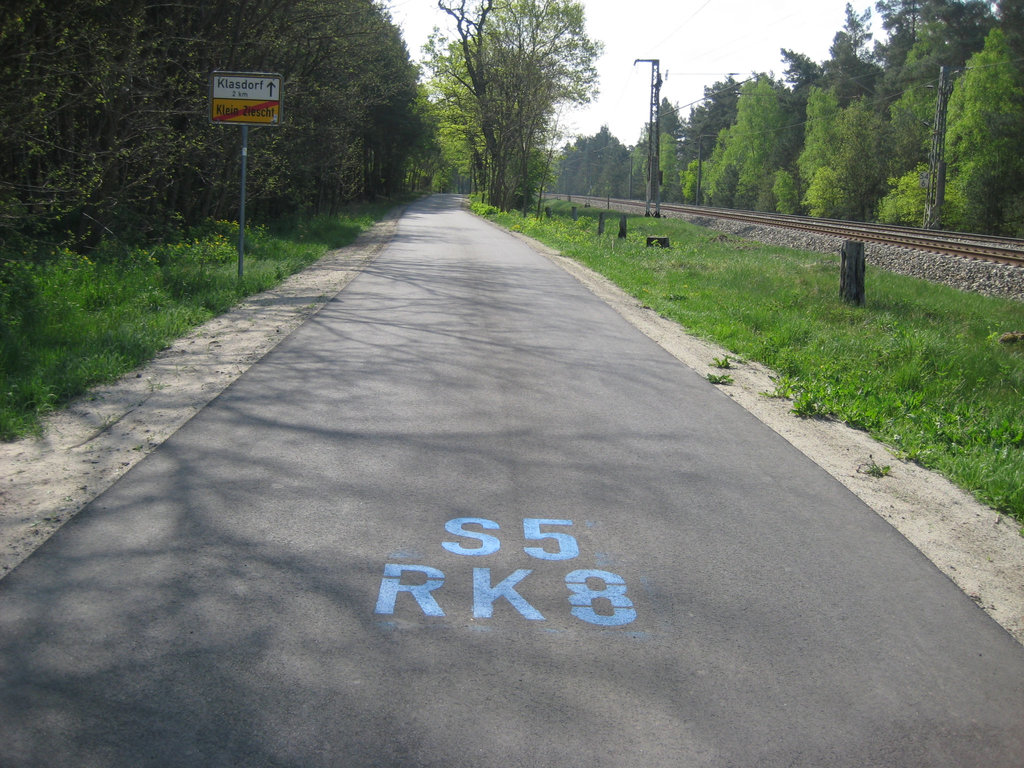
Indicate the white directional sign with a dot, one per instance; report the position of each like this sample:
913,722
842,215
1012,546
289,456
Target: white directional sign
245,98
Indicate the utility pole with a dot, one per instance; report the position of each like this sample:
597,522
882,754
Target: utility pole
937,154
700,165
654,140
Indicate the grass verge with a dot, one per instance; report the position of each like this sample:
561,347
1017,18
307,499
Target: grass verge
70,321
920,368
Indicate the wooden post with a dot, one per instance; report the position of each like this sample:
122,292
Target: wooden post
547,211
575,215
600,223
851,273
622,227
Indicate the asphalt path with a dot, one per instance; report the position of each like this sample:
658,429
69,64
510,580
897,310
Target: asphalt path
466,516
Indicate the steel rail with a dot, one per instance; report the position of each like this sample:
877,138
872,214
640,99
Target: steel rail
1001,250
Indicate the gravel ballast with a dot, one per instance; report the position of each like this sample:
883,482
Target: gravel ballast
967,274
982,277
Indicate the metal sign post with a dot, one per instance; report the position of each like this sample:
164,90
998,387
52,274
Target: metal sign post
245,98
241,204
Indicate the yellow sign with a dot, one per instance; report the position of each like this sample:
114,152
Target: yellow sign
246,111
245,98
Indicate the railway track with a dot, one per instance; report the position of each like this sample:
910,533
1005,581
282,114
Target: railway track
1000,250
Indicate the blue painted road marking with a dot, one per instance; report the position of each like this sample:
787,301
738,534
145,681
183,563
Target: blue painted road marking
584,599
614,592
391,585
567,546
488,544
484,594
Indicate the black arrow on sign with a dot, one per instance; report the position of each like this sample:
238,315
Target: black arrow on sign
271,89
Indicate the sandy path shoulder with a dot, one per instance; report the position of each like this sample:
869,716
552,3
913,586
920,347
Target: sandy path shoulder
87,446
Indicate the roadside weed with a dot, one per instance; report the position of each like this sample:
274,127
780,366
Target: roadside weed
871,468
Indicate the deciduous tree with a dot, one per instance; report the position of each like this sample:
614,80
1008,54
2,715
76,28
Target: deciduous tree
751,148
517,63
986,115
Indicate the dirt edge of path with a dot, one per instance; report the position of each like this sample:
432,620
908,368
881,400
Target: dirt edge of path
86,447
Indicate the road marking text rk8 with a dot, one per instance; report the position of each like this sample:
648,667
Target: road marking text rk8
586,586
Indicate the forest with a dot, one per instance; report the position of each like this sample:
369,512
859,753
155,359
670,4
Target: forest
106,130
107,133
852,137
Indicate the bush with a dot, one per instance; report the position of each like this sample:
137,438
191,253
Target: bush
824,196
483,209
787,198
906,200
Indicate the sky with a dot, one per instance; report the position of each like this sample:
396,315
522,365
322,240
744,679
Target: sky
698,43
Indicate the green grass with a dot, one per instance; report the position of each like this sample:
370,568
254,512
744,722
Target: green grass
69,322
918,368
